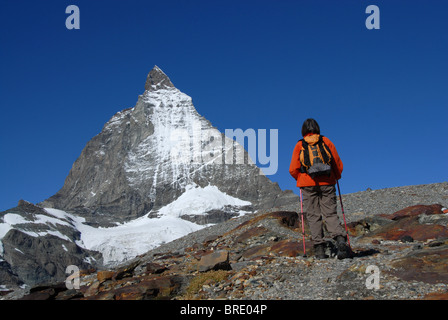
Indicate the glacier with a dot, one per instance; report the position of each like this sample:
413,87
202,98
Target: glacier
130,239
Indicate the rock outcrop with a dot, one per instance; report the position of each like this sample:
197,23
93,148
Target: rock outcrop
40,247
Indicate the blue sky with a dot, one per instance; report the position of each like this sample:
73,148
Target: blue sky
380,95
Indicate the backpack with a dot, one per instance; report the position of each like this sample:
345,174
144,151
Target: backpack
315,159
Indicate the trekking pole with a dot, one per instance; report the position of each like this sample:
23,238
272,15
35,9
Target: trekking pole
303,225
343,214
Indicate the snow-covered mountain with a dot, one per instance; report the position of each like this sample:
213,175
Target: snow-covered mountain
146,156
154,173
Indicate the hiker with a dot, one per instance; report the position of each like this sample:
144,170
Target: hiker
316,166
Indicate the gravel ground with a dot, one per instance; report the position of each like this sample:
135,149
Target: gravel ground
287,278
356,206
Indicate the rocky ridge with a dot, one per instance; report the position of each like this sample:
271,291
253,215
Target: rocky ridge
260,256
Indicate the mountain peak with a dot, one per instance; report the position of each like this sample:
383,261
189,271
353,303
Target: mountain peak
157,79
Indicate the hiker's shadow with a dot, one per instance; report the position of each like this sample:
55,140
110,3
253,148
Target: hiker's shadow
364,253
353,253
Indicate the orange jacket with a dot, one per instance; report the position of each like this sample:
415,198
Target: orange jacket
303,179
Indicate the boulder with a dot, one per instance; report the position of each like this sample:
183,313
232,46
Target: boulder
428,265
415,211
155,268
409,227
287,248
105,275
160,288
420,223
218,260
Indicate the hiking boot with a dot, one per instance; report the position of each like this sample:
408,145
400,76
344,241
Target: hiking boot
319,251
343,249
